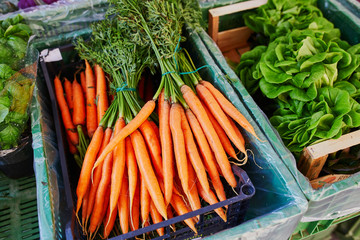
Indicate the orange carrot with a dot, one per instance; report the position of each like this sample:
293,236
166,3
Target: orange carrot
68,94
79,108
90,157
83,82
207,155
181,208
214,141
118,168
94,184
206,96
237,131
101,94
65,112
156,218
222,134
91,112
179,145
145,202
83,211
143,114
135,209
109,222
230,109
146,170
123,205
98,208
73,150
166,146
156,129
153,145
132,171
193,153
193,195
170,215
210,198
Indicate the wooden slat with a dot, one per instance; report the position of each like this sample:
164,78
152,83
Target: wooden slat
334,145
234,38
213,27
237,7
311,167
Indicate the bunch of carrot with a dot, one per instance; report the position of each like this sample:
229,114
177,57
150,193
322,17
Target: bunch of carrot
133,168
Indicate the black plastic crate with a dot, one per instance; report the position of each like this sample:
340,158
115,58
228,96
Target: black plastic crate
65,60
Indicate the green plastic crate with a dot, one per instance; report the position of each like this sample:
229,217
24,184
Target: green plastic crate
330,202
18,209
306,229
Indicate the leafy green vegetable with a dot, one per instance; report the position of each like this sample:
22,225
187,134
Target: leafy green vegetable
330,115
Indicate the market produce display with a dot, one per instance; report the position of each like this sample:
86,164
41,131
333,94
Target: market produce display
163,160
15,84
311,75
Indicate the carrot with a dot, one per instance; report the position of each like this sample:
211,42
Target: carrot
222,134
210,198
68,94
166,146
118,168
237,131
230,109
170,215
73,150
145,202
181,208
156,218
83,82
153,145
105,207
98,208
156,129
193,195
132,172
123,205
109,222
143,114
65,112
91,112
207,155
97,174
193,153
101,94
206,96
179,145
146,170
83,211
79,108
214,141
88,163
134,209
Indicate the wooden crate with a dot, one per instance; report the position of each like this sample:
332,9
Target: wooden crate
232,42
314,157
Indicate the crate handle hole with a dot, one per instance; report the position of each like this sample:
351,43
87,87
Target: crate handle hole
247,190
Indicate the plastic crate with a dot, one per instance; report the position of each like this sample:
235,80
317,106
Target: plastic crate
331,201
306,229
237,204
18,208
275,209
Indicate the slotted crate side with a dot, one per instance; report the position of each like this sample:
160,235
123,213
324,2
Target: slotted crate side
18,209
331,201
